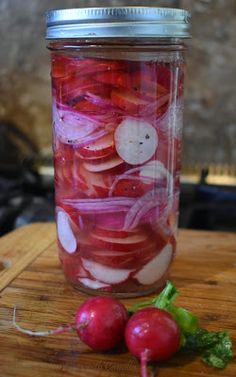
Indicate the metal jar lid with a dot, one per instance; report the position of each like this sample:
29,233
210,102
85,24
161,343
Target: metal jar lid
123,22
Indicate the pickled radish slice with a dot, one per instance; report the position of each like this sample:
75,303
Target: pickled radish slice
108,164
128,259
124,244
94,284
65,233
127,101
106,274
116,78
156,268
99,148
152,169
137,238
155,170
135,141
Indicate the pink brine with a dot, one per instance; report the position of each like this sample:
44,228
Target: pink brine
117,135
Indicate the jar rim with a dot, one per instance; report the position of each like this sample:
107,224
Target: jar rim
121,22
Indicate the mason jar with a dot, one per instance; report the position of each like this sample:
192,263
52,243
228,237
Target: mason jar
117,94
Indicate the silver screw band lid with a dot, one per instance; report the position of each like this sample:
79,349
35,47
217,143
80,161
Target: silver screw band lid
122,22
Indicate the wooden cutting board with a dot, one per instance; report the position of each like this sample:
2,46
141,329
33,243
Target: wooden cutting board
31,278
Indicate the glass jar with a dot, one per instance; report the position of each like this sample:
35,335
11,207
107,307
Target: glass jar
117,87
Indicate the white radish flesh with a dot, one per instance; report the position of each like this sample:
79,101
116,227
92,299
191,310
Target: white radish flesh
135,141
94,284
154,170
156,268
65,233
99,147
104,165
105,274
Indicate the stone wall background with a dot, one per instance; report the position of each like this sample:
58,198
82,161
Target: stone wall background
210,118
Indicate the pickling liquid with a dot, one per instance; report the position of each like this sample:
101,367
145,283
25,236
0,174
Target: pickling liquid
117,136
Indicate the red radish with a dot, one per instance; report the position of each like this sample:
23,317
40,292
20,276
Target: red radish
99,322
115,78
146,86
135,141
152,334
105,164
92,66
60,67
131,260
155,170
156,268
86,106
75,87
94,284
62,64
133,242
128,101
65,233
106,274
95,182
100,148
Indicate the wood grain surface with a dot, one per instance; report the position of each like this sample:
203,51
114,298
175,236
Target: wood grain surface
204,270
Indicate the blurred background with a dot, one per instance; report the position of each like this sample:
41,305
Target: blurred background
208,198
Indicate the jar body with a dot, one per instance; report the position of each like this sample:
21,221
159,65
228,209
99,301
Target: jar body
117,121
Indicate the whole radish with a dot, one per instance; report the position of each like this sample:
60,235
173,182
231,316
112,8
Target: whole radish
99,322
152,334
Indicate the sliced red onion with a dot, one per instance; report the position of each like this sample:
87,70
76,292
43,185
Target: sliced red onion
143,205
72,116
148,172
102,102
104,205
81,223
70,127
153,106
79,129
